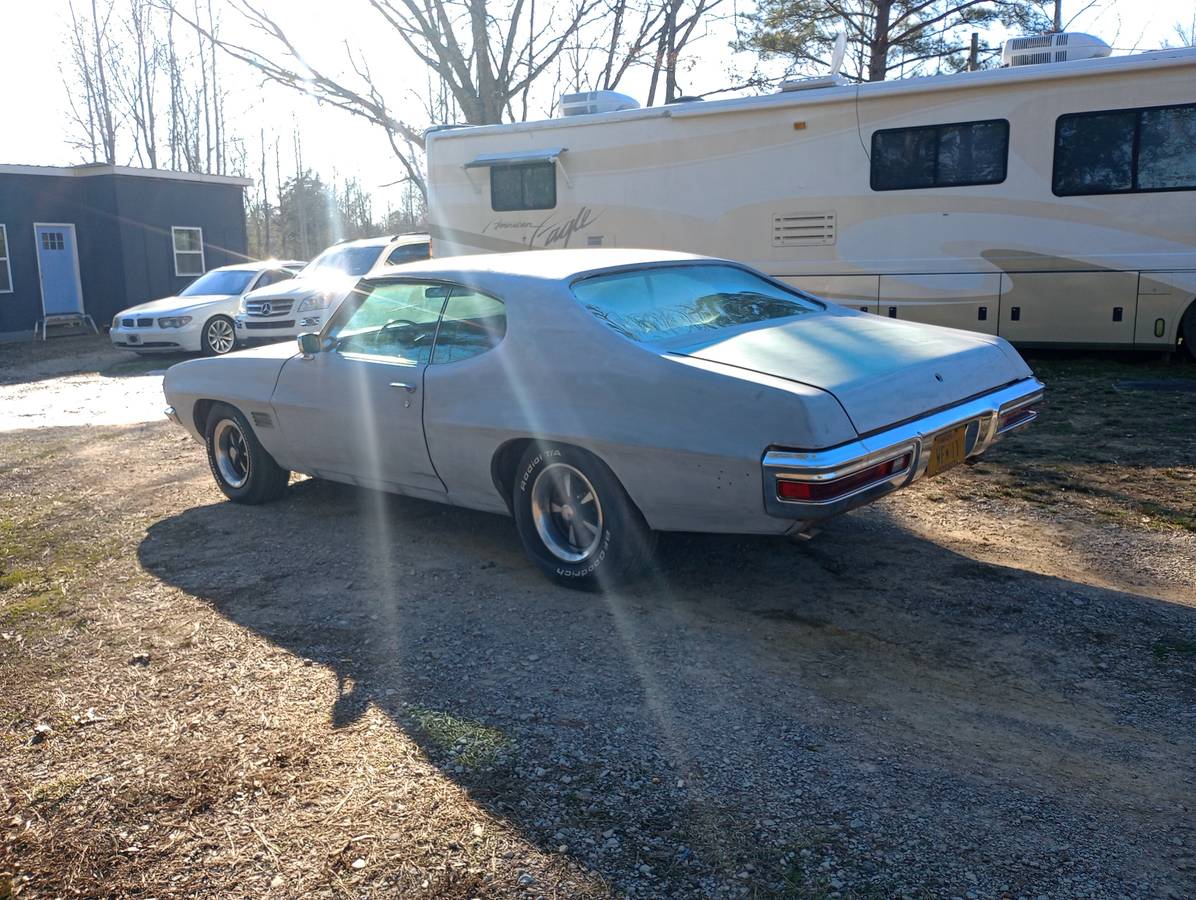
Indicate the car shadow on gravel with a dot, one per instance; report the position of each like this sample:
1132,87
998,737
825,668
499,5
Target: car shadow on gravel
869,710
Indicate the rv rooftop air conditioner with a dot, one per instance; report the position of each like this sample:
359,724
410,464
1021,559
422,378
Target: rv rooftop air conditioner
1064,46
589,102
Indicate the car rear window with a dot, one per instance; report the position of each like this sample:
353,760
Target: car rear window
675,301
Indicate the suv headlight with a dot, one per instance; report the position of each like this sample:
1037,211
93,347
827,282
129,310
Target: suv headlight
173,321
315,301
116,320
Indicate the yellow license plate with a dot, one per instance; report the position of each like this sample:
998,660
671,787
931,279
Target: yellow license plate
949,449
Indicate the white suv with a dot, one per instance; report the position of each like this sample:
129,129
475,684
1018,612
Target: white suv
304,303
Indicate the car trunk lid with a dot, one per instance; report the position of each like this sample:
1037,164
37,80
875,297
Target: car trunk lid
882,371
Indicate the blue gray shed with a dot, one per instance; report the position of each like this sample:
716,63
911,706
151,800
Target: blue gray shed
95,239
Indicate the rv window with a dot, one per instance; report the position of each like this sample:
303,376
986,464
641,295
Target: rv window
523,187
1126,151
954,155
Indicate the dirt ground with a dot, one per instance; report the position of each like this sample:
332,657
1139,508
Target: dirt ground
984,686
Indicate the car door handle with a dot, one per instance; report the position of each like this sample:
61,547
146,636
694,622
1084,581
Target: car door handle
409,388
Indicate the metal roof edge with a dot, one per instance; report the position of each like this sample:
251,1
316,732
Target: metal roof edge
88,170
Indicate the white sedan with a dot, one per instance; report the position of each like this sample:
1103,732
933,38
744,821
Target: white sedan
199,319
600,396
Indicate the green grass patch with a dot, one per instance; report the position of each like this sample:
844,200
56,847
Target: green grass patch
16,578
1168,647
471,743
36,606
59,789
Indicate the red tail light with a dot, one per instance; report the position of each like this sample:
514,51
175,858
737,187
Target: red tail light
818,491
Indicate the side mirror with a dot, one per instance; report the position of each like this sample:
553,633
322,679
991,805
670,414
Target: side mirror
309,344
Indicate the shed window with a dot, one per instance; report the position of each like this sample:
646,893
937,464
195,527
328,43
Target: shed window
5,267
1126,151
525,186
188,250
933,156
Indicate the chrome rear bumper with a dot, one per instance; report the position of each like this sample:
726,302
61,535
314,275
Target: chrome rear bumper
981,415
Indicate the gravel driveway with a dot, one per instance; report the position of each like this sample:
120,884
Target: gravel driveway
961,691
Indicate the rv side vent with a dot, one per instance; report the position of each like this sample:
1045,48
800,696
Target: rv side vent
803,229
1046,48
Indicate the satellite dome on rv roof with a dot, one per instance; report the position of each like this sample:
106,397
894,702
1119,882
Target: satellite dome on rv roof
1063,46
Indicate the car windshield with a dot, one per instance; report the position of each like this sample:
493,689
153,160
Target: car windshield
227,281
676,301
354,261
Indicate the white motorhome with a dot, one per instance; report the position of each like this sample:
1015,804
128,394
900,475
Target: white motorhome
1051,203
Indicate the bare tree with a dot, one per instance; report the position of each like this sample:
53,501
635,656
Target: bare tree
485,57
93,52
137,80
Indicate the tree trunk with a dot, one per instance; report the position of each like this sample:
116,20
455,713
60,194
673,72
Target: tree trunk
878,56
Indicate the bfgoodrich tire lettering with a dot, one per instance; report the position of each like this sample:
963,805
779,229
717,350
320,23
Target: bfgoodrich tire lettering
243,469
576,521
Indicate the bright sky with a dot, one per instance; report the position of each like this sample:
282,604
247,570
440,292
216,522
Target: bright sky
33,48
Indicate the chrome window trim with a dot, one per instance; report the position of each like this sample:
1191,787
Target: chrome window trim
913,437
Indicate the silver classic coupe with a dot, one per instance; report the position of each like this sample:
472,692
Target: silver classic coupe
600,396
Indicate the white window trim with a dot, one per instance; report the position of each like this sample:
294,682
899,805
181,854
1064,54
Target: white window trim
7,260
174,246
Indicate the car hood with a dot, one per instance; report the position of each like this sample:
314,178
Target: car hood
245,375
168,305
882,371
304,287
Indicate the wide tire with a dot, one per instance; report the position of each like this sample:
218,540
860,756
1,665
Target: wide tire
219,336
576,521
243,469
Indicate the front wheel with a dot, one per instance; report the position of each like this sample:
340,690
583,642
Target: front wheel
243,469
576,521
219,336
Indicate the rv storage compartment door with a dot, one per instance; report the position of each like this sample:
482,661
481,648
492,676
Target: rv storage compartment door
1069,307
969,301
852,291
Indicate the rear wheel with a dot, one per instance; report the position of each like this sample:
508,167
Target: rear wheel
219,336
243,469
576,521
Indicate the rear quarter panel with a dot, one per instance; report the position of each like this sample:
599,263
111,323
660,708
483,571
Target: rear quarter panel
684,439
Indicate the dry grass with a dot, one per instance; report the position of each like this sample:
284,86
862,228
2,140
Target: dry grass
1123,454
150,745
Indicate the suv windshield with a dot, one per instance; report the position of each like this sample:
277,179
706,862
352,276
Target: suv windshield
355,261
675,301
230,281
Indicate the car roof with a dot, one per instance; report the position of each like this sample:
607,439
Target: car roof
258,265
384,240
547,265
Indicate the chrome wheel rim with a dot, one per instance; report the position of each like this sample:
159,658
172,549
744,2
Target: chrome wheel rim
220,336
232,453
567,512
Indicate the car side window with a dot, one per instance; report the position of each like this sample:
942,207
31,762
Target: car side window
407,253
274,276
472,323
391,320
